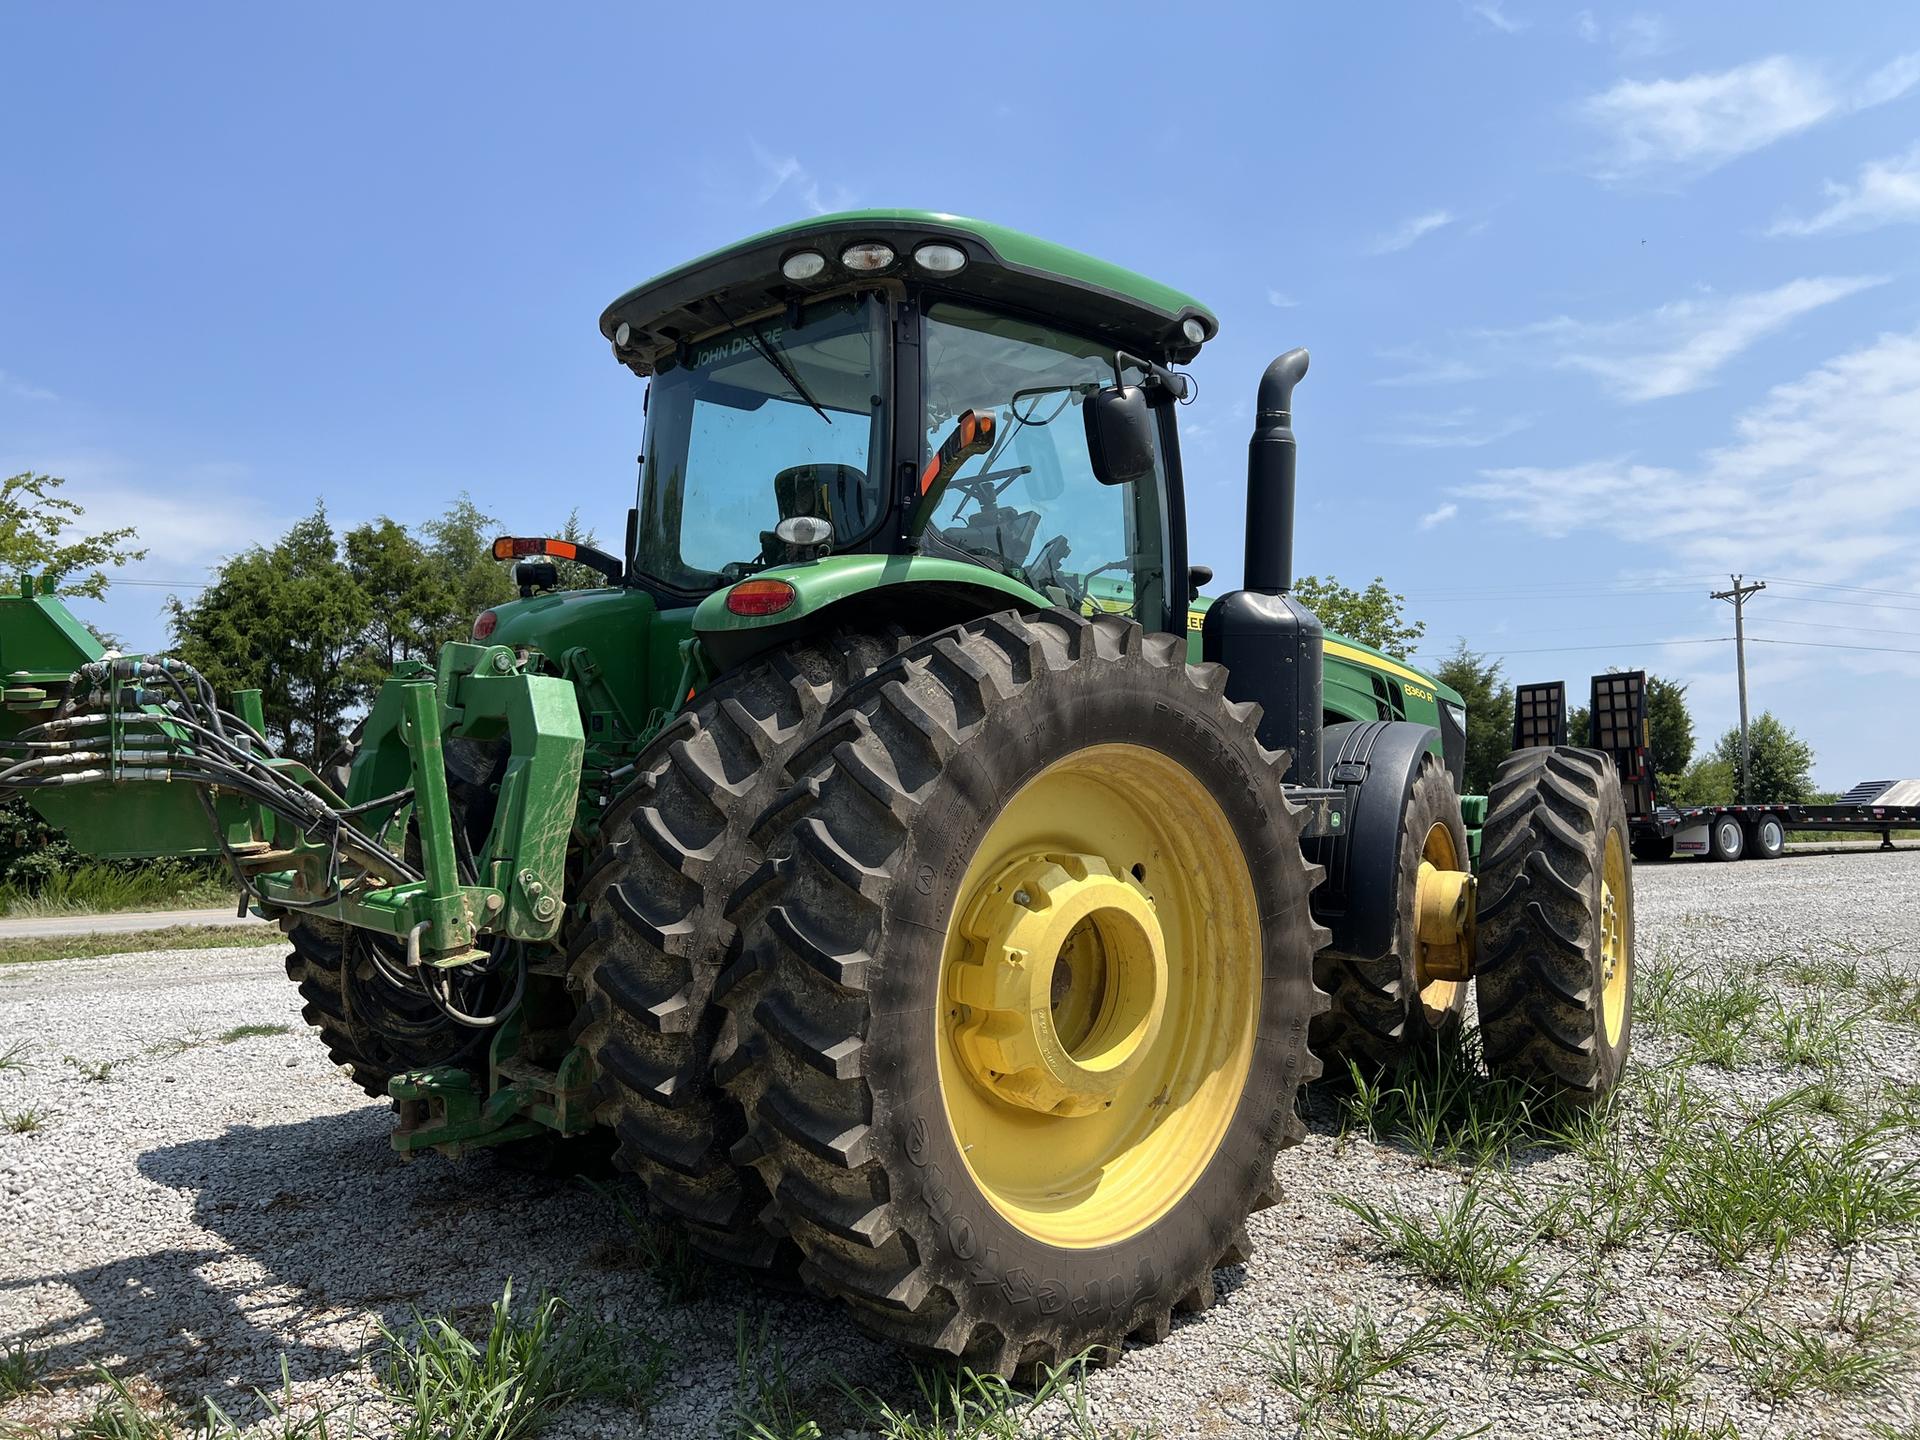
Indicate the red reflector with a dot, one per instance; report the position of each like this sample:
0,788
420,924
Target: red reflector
483,624
760,597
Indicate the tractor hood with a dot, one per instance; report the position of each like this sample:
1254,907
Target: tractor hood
970,258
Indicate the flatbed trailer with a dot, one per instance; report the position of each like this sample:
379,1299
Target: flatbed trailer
1617,725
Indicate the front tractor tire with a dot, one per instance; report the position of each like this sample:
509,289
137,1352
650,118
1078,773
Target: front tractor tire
677,842
1554,982
1024,991
372,1028
1387,1010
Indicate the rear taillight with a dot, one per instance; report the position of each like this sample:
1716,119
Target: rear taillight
483,624
760,597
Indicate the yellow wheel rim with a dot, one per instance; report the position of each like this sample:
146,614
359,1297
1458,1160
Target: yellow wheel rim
1100,989
1443,923
1616,930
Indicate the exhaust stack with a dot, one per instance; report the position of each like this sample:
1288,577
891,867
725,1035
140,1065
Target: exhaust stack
1272,456
1271,644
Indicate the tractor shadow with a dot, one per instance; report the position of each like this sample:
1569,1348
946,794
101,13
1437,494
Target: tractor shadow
315,1235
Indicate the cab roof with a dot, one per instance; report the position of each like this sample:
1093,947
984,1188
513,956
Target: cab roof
1004,268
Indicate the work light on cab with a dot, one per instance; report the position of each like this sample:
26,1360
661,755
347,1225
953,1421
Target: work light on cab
803,265
517,547
755,598
867,257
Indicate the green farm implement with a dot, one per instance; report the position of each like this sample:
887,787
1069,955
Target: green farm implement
922,887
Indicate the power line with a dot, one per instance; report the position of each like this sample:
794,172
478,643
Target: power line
1574,649
1833,645
1856,589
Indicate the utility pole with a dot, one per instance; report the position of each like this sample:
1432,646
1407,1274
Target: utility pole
1737,596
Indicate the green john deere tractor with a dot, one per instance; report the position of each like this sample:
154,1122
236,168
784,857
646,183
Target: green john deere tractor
920,886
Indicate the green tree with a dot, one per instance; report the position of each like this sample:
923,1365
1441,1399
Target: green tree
574,575
1579,725
1669,725
288,620
1374,616
1707,781
466,579
36,538
1782,761
1489,700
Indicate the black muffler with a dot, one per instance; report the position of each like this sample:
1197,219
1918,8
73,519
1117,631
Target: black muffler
1271,644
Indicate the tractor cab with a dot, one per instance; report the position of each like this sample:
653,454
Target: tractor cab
897,383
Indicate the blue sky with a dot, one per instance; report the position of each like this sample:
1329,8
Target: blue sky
1603,302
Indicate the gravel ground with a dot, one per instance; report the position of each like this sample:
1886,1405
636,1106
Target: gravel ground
218,1205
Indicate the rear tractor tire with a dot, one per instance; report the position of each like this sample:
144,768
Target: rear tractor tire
677,843
1024,991
1555,977
1386,1010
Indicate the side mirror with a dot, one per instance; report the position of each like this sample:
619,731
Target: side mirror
1119,434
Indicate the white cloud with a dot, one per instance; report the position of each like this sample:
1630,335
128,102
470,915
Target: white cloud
1490,12
1887,192
1461,429
1695,124
786,174
1586,27
1680,346
1428,369
18,389
1439,515
1816,480
1280,300
1409,231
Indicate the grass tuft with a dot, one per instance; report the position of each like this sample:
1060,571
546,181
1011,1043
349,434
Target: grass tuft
20,1370
249,1032
1781,1361
15,1057
93,888
27,1119
1467,1244
1321,1363
966,1405
661,1250
512,1380
97,1071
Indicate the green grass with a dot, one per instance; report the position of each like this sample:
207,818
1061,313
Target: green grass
1445,1107
766,1405
1691,1427
966,1405
250,1032
514,1378
26,1120
1893,997
1817,1033
662,1251
1325,1365
1718,1016
20,1370
97,1071
24,950
95,887
1467,1244
121,1415
1645,1364
15,1056
1780,1361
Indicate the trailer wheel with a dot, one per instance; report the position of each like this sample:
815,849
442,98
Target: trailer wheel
1026,978
1555,978
1768,837
1726,838
1383,1010
676,843
1653,847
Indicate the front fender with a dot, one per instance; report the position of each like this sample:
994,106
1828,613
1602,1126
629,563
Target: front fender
851,589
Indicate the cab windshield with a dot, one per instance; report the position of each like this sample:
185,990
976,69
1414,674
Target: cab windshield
764,423
1030,506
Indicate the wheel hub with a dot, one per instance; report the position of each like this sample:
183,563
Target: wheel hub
1063,986
1444,904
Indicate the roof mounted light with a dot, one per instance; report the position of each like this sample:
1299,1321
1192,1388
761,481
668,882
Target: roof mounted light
867,257
803,265
622,333
940,259
1194,329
